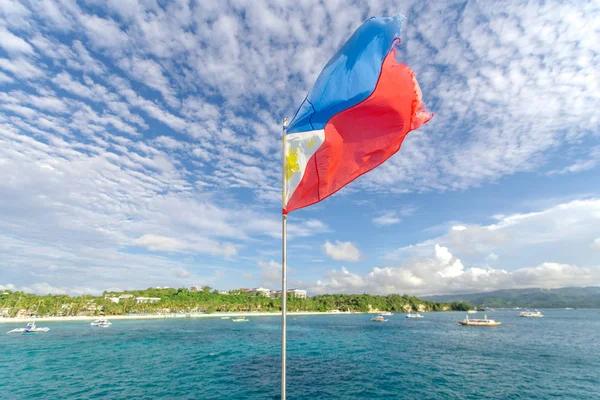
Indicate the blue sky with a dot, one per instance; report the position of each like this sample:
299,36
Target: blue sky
140,146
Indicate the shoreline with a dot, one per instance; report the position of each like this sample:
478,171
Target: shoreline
169,316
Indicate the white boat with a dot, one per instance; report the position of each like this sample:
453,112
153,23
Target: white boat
224,317
478,322
101,323
378,318
240,319
29,328
472,312
531,314
386,313
415,315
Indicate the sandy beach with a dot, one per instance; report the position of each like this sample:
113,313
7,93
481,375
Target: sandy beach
163,316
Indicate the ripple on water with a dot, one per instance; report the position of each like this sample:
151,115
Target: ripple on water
344,357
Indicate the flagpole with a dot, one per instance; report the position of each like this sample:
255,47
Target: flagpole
283,271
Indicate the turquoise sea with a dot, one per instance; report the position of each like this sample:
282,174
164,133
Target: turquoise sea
329,357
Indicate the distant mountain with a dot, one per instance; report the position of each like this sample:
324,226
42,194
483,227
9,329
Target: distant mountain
583,297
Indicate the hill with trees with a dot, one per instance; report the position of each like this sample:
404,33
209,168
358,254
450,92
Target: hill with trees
580,297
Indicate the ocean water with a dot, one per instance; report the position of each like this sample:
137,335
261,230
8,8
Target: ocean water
329,357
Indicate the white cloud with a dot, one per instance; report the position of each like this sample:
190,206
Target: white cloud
86,62
168,142
15,14
388,218
181,272
342,251
596,244
151,74
5,78
9,286
92,160
160,243
560,232
45,288
492,257
494,137
444,273
270,273
104,33
14,44
21,68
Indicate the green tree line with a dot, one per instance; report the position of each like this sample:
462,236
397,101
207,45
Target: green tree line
207,300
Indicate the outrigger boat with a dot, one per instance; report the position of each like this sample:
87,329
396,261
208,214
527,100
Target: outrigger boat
534,314
29,328
378,318
102,323
479,322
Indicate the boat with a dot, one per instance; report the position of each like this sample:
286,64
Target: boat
479,322
386,313
224,317
29,328
378,318
472,311
101,323
415,315
531,314
240,319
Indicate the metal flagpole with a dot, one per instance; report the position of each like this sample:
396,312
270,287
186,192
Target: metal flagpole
283,271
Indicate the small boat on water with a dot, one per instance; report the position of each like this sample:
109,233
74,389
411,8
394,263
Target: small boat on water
29,328
415,315
224,317
101,323
531,314
386,313
479,322
240,319
472,311
378,318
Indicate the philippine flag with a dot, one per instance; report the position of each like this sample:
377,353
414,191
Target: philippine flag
356,116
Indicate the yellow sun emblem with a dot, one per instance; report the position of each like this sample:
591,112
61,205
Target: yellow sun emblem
291,163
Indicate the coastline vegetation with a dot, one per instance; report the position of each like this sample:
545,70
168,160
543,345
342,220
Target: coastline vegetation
206,300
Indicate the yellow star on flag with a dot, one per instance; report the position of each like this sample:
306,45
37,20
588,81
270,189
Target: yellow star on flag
291,163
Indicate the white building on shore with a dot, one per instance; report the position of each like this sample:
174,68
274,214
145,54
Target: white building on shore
297,293
262,291
275,294
142,300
